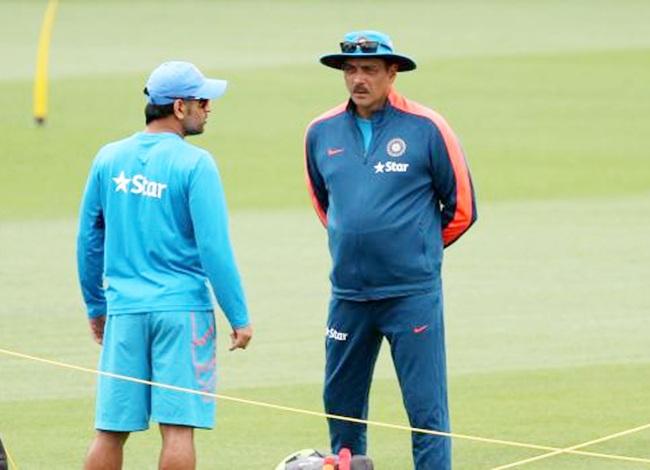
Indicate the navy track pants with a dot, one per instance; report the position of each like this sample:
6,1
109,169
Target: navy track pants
414,328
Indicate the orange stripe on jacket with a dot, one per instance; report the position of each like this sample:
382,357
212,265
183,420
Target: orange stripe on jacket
463,216
322,215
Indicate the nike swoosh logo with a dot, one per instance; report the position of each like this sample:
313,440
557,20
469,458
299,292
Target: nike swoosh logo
420,329
333,152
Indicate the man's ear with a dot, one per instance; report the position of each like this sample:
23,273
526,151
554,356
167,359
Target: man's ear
392,72
179,109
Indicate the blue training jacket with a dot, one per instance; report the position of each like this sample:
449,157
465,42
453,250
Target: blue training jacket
153,230
391,210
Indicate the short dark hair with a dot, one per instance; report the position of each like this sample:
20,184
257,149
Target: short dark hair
157,111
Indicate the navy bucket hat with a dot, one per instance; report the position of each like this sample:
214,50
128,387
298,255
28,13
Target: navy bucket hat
368,44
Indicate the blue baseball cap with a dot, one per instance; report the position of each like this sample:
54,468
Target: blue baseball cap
368,44
175,79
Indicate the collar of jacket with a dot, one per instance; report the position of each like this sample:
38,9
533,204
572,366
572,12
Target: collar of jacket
378,118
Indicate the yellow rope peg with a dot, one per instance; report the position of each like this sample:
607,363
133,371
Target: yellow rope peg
42,56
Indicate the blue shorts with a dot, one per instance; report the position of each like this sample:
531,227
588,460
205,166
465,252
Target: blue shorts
173,348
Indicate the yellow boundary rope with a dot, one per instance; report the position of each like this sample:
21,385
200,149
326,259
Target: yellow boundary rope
575,447
12,462
327,415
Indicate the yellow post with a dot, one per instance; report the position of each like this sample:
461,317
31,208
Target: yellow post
42,55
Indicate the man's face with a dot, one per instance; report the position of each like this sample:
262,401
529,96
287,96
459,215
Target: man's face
369,82
195,116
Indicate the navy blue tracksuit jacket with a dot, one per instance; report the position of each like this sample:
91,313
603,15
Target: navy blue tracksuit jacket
389,211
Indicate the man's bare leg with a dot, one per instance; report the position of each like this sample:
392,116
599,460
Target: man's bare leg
106,451
177,451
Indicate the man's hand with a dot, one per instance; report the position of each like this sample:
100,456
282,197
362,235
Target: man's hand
240,337
97,328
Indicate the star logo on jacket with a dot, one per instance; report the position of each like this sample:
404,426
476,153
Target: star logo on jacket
391,167
396,147
333,152
122,183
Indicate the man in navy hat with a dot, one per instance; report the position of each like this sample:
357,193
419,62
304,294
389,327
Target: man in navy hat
389,180
153,233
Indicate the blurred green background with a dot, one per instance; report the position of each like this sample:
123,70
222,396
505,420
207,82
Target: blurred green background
547,299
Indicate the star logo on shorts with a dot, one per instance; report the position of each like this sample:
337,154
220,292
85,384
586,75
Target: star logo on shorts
379,167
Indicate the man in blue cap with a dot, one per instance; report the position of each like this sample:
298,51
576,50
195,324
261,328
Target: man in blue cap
389,181
153,233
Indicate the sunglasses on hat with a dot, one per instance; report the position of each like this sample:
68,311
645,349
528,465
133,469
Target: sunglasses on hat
365,46
203,102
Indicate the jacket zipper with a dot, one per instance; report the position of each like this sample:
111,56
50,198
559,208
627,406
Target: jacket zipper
360,261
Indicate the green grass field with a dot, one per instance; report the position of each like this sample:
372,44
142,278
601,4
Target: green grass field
547,297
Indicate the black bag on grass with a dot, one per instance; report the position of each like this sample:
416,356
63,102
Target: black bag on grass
311,459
